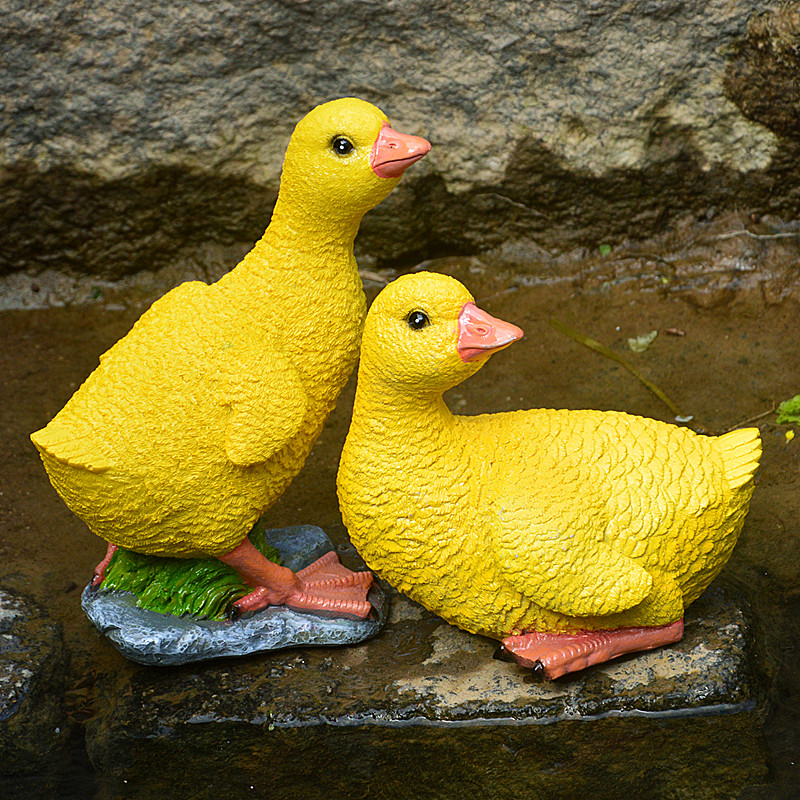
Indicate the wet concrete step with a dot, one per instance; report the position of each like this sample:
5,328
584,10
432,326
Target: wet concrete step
424,711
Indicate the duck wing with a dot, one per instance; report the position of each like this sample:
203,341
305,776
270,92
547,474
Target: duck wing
249,376
267,403
557,558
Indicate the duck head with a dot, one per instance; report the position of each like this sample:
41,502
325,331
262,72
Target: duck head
343,159
424,334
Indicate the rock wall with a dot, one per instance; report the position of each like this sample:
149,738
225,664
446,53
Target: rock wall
137,133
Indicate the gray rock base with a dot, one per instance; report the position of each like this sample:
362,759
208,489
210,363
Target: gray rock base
423,711
163,639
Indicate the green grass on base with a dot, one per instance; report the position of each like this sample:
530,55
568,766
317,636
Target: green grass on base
203,587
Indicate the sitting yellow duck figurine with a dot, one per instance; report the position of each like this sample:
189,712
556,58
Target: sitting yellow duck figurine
195,422
572,536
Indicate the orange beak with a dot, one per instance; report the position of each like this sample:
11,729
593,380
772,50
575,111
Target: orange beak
480,334
394,152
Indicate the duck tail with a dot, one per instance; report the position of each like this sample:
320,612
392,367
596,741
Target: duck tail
75,449
741,452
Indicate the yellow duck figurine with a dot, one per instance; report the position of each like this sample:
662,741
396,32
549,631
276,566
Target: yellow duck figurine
196,421
572,536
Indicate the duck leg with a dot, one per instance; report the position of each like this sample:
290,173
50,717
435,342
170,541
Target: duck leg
552,655
100,570
326,585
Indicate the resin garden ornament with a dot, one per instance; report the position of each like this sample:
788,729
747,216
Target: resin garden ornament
572,536
195,422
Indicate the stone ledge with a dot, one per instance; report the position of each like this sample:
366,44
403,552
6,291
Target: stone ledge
33,721
425,702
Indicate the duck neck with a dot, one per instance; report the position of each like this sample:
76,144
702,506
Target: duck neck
421,419
330,227
298,248
301,280
411,447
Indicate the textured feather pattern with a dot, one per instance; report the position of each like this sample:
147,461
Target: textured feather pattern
528,520
195,422
740,451
190,417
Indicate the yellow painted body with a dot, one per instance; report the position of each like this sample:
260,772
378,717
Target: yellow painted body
529,520
197,420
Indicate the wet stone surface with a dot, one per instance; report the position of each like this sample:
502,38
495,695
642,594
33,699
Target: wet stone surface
163,639
390,717
424,684
32,669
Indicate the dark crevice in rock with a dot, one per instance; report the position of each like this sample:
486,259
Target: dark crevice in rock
764,77
561,208
76,222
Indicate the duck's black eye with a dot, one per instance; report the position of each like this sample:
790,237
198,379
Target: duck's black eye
342,146
417,320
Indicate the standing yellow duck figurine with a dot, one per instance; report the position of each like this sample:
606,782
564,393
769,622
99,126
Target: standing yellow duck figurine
572,536
195,422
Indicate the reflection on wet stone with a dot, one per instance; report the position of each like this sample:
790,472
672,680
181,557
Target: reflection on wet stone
423,688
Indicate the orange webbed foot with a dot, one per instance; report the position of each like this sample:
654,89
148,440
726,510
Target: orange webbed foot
552,655
325,586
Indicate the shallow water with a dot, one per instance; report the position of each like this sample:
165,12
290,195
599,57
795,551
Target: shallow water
723,358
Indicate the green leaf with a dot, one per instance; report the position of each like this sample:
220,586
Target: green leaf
604,249
640,343
789,410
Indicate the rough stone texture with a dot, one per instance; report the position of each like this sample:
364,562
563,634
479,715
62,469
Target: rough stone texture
33,723
137,134
163,639
764,78
424,706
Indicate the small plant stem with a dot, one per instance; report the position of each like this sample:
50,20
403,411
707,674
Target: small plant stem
603,350
753,419
745,232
